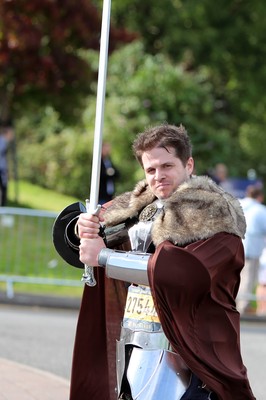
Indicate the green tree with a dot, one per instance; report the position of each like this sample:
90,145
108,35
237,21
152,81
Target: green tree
148,89
142,90
192,65
40,61
226,38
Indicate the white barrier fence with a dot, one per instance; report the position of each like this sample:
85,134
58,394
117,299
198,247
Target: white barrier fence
27,254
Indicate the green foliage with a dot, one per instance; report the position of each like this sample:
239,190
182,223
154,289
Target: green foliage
252,142
225,38
40,61
58,161
148,89
142,90
192,65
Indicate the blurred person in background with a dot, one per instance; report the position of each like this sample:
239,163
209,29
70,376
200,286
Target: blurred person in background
220,173
109,175
254,241
6,136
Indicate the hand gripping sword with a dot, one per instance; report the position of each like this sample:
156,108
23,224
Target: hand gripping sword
92,205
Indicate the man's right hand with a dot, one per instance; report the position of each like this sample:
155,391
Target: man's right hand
90,242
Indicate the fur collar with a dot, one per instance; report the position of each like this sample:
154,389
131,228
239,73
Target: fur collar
197,210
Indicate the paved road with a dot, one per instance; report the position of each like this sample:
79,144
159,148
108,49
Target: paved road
43,338
40,338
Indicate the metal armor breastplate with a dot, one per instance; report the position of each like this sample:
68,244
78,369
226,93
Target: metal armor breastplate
146,367
140,233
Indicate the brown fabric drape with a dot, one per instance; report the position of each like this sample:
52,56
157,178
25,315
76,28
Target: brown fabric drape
194,295
93,368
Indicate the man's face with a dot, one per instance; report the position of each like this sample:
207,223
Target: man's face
164,171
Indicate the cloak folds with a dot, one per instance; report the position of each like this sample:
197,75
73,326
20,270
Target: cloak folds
94,357
194,299
193,286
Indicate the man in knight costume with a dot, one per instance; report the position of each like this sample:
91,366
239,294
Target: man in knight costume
167,259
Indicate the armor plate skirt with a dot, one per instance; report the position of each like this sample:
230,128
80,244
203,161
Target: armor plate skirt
156,375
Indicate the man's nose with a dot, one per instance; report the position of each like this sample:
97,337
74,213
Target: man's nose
159,175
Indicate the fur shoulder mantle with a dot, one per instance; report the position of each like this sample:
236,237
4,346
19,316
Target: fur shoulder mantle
197,210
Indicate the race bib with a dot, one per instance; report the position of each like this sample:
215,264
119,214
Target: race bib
140,305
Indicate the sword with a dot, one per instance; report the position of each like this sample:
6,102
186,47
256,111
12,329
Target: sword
92,205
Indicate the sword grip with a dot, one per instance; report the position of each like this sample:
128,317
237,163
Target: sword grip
88,275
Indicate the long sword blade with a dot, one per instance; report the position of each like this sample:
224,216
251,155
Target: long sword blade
101,88
92,205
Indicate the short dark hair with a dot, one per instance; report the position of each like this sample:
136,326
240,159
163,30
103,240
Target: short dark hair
254,191
163,136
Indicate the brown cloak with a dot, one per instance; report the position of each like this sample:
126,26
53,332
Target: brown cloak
194,289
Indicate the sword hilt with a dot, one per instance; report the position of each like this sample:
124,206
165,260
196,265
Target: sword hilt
88,275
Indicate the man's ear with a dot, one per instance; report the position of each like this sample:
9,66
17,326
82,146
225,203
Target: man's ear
190,165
